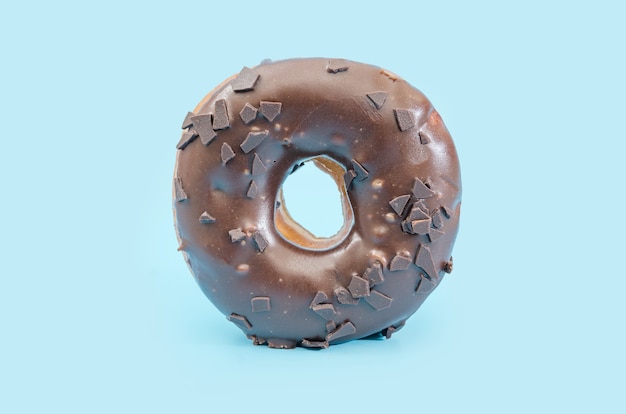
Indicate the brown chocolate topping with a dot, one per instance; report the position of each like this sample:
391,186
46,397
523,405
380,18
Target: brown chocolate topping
186,139
368,129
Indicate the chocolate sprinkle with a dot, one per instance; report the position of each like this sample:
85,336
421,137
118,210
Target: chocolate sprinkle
227,153
206,218
203,124
399,262
248,113
377,98
378,301
311,343
253,140
374,274
245,81
359,287
260,241
399,203
220,120
236,235
319,298
348,177
424,139
405,119
326,311
270,110
420,190
252,190
344,297
361,173
336,66
187,122
258,167
260,304
240,321
424,259
345,329
186,139
178,187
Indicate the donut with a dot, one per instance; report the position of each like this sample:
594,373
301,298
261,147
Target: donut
397,171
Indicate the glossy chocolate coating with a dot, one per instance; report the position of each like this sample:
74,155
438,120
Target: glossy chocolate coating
393,160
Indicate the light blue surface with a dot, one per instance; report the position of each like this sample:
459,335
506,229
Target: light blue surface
98,312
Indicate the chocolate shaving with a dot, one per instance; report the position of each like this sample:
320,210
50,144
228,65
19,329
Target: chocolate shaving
236,235
336,66
226,153
374,274
203,124
178,187
186,139
260,304
319,298
399,262
361,173
344,297
248,113
434,234
447,211
206,218
387,332
187,121
348,177
437,220
258,167
424,139
399,203
378,301
253,140
260,241
405,119
330,326
240,321
421,226
377,98
311,343
424,259
326,311
252,190
424,285
420,190
270,110
345,329
220,119
245,81
359,287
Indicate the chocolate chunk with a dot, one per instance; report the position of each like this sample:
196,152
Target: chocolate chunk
387,332
359,287
420,190
424,259
400,262
404,118
447,266
220,119
434,234
270,110
280,343
178,187
378,301
417,213
326,311
424,285
345,329
227,153
248,113
206,218
203,124
446,211
252,190
421,226
319,298
311,343
253,140
344,297
258,167
361,173
260,241
186,139
374,274
187,122
398,203
245,81
437,220
256,340
424,139
240,321
377,98
236,235
336,66
260,304
330,326
348,177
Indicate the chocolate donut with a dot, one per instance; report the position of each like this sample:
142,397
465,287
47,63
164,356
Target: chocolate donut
393,161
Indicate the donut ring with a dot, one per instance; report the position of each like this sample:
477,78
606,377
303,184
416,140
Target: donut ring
394,163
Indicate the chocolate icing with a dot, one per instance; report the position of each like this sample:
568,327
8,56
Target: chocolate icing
393,161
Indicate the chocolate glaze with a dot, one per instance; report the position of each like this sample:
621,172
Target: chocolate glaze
394,163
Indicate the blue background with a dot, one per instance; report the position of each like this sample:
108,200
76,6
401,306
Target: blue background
98,312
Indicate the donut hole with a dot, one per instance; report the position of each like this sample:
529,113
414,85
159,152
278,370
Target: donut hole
312,207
